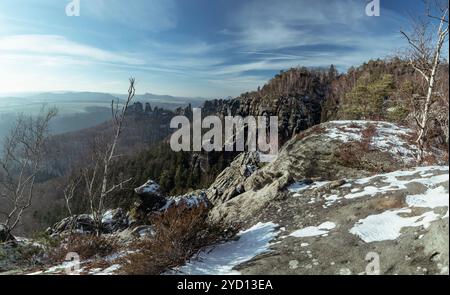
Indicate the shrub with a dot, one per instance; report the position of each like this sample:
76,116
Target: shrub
180,233
367,135
359,154
86,246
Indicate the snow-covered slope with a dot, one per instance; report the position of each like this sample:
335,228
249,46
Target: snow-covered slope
331,227
386,137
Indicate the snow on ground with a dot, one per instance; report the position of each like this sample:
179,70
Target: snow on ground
298,187
108,271
313,231
76,267
388,225
191,201
223,258
432,198
388,137
398,180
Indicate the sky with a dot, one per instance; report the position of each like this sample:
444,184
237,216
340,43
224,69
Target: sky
202,48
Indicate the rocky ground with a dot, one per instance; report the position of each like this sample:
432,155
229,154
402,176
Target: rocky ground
341,198
401,217
331,213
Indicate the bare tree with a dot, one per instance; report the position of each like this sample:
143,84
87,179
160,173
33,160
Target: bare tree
97,178
69,192
20,164
426,43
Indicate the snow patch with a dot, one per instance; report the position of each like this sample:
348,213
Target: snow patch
223,258
432,198
388,225
396,181
191,201
313,231
302,186
387,138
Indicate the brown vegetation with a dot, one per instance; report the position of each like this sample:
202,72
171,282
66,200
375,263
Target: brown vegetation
179,234
86,246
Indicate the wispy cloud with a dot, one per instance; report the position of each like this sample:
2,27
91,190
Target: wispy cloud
151,15
176,47
59,45
273,35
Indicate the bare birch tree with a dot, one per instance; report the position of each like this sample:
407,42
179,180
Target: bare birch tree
70,191
20,164
97,179
426,42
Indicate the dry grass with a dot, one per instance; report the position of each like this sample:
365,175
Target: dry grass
86,246
360,155
179,234
351,152
367,136
354,125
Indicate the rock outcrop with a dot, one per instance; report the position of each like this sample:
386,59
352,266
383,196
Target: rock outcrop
112,221
392,223
338,193
331,151
295,96
384,224
150,197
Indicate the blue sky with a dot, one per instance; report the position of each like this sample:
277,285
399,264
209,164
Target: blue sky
208,48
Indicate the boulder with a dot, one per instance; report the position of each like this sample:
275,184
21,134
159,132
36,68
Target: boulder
112,221
151,198
83,223
189,201
115,220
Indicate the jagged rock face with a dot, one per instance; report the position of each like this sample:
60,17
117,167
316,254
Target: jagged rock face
295,96
320,152
295,113
229,183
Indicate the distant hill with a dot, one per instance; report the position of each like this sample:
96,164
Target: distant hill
78,110
167,101
72,97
